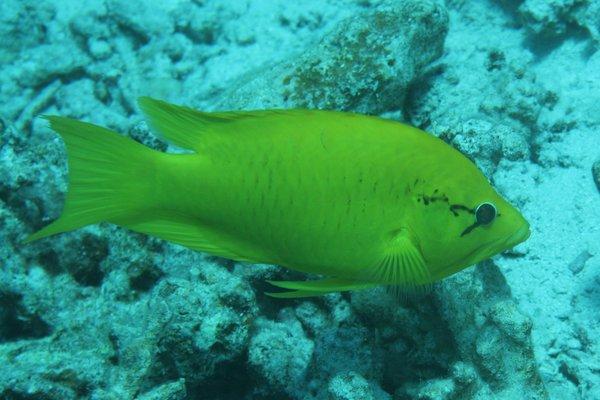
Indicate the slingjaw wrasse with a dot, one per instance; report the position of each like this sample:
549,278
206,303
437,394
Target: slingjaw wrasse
362,200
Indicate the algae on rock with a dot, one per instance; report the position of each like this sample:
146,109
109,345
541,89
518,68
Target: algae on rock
365,65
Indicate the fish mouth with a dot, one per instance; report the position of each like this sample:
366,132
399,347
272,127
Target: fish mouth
520,235
488,250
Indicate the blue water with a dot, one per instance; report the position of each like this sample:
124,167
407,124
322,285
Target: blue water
104,313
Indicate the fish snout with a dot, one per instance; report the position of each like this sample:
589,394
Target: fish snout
520,235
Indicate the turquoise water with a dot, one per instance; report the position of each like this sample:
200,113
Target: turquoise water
104,313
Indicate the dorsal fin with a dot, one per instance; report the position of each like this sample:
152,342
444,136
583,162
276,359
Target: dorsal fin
185,127
179,125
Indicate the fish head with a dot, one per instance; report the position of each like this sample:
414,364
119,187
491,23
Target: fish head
470,223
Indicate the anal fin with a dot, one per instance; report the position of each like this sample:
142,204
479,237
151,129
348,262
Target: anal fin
190,233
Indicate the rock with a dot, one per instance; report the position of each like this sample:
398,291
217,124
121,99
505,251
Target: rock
25,23
203,335
577,265
312,318
553,18
464,374
374,306
384,51
545,17
280,353
588,16
486,143
17,322
435,389
143,22
491,119
168,391
515,325
80,255
596,174
32,192
350,386
348,348
49,63
143,275
83,259
490,331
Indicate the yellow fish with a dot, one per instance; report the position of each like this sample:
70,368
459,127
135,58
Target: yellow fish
362,200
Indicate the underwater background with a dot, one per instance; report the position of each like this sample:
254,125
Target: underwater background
103,313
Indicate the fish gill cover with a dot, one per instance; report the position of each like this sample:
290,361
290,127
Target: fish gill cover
104,313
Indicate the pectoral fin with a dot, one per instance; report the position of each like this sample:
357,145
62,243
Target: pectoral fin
401,264
320,287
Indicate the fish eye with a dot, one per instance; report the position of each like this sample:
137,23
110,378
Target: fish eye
485,213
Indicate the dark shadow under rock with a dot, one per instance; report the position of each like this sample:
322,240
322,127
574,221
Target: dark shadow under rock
16,322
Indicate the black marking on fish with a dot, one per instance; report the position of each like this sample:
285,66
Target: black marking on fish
460,207
432,199
322,133
469,229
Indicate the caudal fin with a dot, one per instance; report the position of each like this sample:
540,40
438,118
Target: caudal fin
110,176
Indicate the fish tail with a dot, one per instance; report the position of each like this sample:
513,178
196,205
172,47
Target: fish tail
110,176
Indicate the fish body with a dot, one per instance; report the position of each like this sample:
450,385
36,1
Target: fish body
360,199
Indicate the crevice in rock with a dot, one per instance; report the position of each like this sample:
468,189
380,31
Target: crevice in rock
16,322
